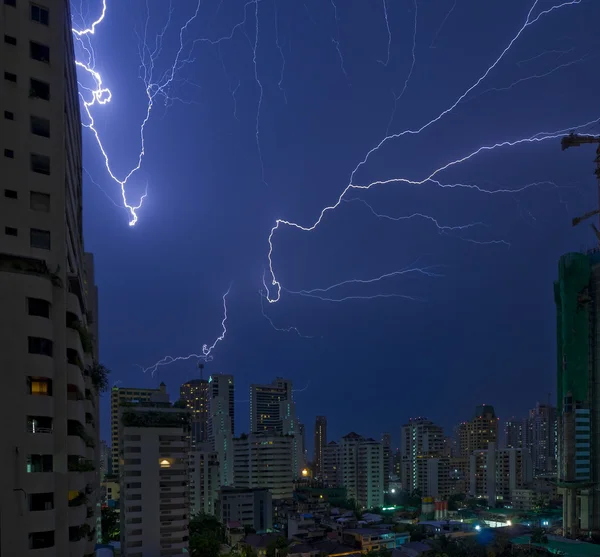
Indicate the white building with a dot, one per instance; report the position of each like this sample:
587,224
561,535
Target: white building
264,460
154,477
49,484
361,469
204,479
496,473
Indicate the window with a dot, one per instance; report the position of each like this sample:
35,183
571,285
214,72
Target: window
38,307
39,463
40,126
39,201
39,238
40,164
10,40
11,194
73,357
10,77
10,231
41,386
12,3
38,89
135,532
9,153
42,346
41,501
39,424
39,14
134,485
40,540
8,115
39,52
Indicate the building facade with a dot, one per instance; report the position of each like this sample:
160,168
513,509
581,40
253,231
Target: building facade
204,479
250,507
120,396
320,441
267,405
265,460
49,486
154,478
577,298
195,395
221,424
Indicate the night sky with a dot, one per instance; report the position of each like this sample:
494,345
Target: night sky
481,331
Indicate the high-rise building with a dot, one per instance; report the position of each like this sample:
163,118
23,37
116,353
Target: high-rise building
48,300
361,469
496,473
577,297
105,464
195,395
221,423
421,438
319,444
331,465
541,435
265,460
120,396
204,479
386,441
514,433
154,486
266,408
480,431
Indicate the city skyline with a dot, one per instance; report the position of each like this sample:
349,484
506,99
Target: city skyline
207,204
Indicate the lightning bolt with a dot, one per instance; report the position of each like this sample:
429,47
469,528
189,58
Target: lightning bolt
279,329
432,45
206,353
536,138
156,89
389,34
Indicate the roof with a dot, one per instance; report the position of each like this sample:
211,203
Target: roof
257,540
234,524
569,548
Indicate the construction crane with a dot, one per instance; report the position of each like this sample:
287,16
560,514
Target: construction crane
576,140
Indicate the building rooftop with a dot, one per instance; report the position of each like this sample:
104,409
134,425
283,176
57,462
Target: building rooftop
563,546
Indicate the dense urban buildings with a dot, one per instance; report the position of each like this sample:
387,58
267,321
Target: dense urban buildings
121,396
48,345
154,478
320,441
577,297
195,395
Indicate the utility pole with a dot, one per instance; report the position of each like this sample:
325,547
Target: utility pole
576,140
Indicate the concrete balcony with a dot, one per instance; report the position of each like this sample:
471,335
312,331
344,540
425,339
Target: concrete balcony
40,327
77,549
76,410
41,521
41,442
76,481
73,306
173,545
74,342
40,405
180,524
77,515
39,366
47,552
38,482
75,377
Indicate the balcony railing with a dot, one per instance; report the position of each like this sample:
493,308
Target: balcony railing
31,428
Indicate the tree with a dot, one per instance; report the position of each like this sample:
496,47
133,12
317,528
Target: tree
206,535
538,536
278,548
99,376
110,525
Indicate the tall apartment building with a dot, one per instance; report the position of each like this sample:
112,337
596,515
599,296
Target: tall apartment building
480,431
331,465
154,478
195,395
496,473
48,301
361,469
266,408
320,442
421,438
541,433
122,396
221,423
265,460
386,441
514,433
250,507
204,479
577,297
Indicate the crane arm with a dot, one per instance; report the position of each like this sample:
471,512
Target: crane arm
575,140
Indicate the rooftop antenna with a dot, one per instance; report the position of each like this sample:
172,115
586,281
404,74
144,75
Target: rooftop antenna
201,368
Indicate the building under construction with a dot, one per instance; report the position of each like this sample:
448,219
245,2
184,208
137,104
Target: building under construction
577,297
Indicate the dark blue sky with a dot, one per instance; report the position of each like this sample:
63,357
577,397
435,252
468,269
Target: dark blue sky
482,332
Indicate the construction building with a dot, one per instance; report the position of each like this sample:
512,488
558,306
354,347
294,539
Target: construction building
577,297
49,486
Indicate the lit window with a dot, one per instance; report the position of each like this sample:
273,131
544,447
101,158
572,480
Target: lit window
164,463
